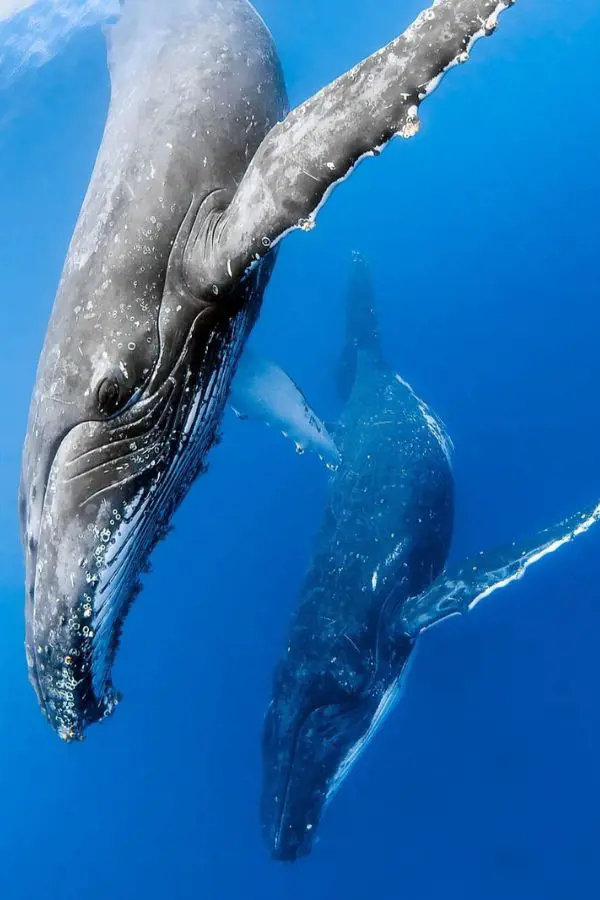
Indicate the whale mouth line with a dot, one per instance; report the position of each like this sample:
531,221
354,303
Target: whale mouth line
105,505
114,583
142,528
34,550
149,404
381,705
288,780
179,419
169,416
342,710
158,399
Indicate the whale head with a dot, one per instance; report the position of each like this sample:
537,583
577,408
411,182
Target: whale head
128,401
319,721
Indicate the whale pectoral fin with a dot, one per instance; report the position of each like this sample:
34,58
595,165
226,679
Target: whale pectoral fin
316,146
461,587
262,390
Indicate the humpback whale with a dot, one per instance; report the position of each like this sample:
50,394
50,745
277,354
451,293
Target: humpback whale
378,578
202,170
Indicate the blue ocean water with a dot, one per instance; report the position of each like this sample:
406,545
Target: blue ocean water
481,233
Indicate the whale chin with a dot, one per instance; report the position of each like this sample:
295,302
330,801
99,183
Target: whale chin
303,765
96,535
308,755
84,585
94,509
111,492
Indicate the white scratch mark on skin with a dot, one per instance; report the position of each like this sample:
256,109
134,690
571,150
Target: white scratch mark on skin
310,176
350,641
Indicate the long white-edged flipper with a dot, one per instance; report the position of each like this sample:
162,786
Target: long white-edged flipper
461,587
261,390
317,145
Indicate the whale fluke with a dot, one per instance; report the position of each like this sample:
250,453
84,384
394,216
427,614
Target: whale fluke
261,390
462,586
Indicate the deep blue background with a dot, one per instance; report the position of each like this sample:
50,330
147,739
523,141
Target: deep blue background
483,235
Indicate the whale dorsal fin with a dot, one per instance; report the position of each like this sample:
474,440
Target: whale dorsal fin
263,391
362,342
462,586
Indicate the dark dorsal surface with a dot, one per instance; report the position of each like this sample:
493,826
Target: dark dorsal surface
386,529
385,536
388,520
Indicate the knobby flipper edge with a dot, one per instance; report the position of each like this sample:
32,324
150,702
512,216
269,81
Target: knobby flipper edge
462,586
319,143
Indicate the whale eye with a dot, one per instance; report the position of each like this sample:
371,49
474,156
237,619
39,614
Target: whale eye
110,396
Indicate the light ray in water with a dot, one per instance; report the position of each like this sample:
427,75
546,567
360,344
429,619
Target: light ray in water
32,32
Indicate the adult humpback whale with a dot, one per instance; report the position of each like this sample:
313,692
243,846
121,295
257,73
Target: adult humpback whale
377,579
200,173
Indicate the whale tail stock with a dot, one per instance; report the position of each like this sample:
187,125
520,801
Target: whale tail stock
362,329
463,585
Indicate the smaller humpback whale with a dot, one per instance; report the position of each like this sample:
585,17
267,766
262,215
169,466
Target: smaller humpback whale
201,172
377,579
